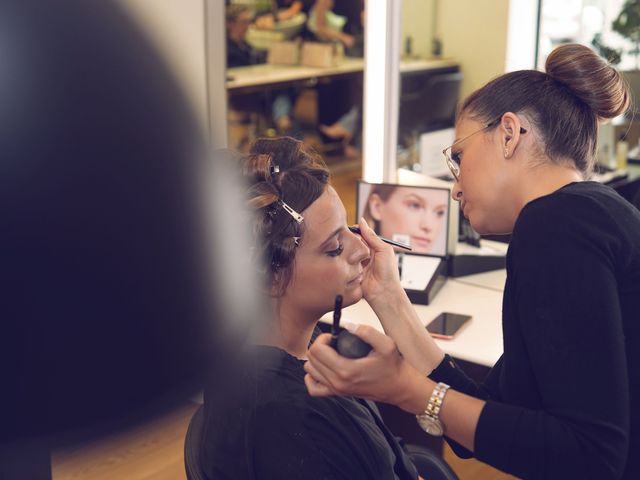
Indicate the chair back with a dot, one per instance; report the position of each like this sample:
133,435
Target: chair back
429,464
428,101
192,444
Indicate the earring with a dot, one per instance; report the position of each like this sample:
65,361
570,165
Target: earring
506,152
458,194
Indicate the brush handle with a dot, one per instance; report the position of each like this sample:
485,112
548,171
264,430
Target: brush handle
337,313
356,230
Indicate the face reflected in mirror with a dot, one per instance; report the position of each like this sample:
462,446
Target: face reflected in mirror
417,213
329,261
238,27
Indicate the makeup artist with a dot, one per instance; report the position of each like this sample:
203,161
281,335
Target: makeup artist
563,401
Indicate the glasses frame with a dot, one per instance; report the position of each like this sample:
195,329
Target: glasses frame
454,167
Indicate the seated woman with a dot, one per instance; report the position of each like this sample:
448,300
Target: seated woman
240,54
265,424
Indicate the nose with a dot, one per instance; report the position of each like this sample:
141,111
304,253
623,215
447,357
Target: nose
425,221
360,251
456,192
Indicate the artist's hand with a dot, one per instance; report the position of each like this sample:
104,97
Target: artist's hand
383,375
381,281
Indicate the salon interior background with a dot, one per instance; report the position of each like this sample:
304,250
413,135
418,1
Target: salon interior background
190,35
485,37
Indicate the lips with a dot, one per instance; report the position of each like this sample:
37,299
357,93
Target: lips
423,242
356,280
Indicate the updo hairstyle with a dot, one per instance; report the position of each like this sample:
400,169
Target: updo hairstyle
281,170
565,104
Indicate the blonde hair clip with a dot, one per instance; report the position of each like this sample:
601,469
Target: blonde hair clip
296,216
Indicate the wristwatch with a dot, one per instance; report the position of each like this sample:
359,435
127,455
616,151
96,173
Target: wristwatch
428,420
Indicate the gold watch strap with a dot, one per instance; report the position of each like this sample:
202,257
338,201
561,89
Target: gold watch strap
435,402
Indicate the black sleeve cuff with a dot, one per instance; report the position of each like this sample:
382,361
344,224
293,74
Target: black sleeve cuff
448,372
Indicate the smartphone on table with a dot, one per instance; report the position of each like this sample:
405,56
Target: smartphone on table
447,325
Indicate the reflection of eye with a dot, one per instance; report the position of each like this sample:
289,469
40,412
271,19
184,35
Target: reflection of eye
414,205
337,251
441,212
456,156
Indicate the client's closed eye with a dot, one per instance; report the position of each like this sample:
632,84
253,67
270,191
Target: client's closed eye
337,251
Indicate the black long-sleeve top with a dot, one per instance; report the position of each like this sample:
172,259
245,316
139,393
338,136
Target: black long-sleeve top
265,425
563,401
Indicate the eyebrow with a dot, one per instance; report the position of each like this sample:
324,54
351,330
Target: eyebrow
417,197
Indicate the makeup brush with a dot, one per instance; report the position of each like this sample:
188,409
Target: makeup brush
355,229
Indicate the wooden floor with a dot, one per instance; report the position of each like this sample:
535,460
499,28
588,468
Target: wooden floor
155,450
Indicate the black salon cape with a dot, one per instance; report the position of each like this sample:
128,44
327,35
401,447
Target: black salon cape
266,426
564,398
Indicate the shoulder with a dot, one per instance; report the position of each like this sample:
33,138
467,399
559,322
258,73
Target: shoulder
574,203
581,214
259,411
262,375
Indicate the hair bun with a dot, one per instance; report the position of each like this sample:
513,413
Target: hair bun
590,78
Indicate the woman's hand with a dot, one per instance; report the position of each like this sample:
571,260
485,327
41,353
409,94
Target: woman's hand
381,281
383,375
347,40
382,290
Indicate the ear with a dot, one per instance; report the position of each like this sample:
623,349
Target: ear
375,202
510,130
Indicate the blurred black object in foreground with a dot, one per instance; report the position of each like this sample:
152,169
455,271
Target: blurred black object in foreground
105,304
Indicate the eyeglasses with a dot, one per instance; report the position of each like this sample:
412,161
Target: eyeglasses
453,160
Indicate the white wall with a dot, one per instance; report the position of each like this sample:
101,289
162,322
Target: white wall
474,32
177,29
522,35
418,21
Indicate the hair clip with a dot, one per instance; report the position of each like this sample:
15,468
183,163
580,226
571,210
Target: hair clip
275,169
271,212
296,240
296,216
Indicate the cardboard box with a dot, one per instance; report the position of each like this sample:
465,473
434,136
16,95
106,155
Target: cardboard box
284,53
315,54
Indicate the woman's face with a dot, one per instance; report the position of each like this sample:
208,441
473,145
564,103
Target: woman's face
486,180
329,261
238,28
415,212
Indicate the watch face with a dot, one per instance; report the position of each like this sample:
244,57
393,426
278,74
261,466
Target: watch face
430,425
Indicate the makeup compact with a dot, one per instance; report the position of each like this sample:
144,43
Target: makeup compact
344,342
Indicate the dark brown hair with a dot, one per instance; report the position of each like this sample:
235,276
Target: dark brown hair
281,169
232,12
564,104
384,192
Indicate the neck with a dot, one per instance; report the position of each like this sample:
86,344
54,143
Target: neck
545,179
289,329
